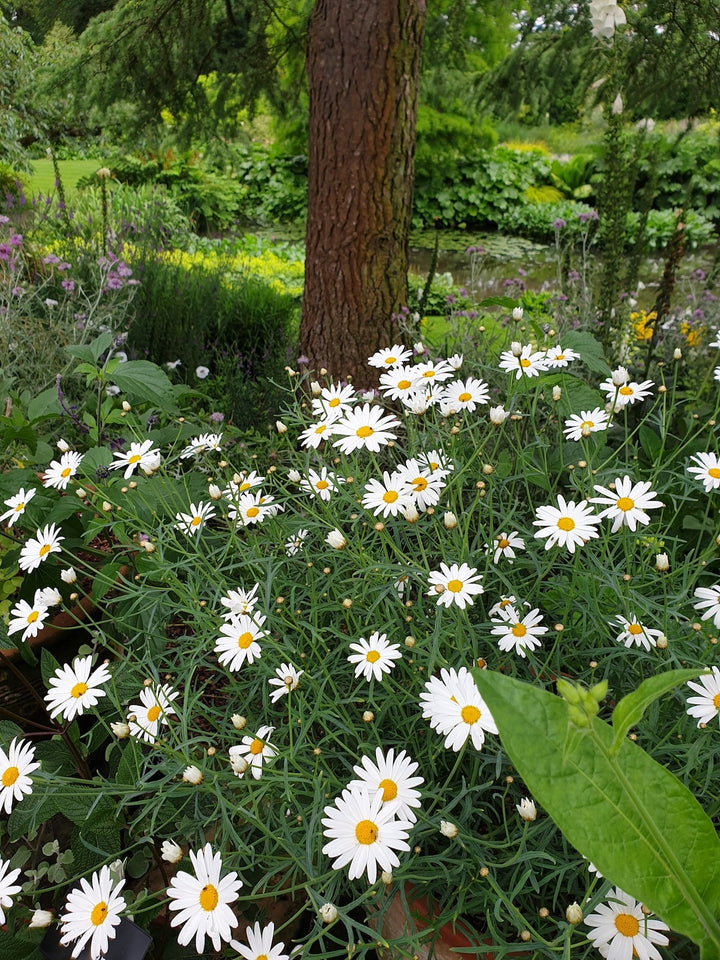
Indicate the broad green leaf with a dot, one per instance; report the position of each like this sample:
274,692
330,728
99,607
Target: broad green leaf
44,403
630,709
589,348
651,442
638,824
91,352
145,381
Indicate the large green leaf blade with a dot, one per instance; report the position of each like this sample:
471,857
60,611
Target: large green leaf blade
630,709
144,381
637,823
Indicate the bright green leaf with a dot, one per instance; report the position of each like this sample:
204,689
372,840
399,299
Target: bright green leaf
145,381
630,709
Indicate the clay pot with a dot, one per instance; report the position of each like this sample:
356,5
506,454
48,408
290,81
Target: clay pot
419,921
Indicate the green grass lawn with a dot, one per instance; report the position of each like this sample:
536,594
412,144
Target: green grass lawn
42,179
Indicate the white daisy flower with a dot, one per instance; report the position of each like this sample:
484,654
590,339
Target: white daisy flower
192,522
455,361
567,525
68,575
620,930
528,362
240,601
8,887
454,707
48,597
436,462
313,436
456,584
627,503
333,401
28,617
38,548
296,541
419,402
391,777
709,602
707,470
259,944
557,357
504,546
466,394
254,751
716,373
92,911
321,484
76,688
140,455
363,832
390,356
398,383
628,393
426,485
146,718
432,372
171,852
287,678
366,428
241,483
706,706
239,641
503,602
374,657
203,901
201,444
583,424
17,505
388,497
252,508
634,633
518,633
60,471
15,767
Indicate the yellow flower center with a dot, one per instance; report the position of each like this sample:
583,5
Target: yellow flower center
20,507
372,656
78,690
587,423
256,747
559,356
519,630
428,374
153,713
626,391
66,472
455,586
404,384
252,511
99,912
134,458
322,485
420,483
245,639
364,431
624,504
634,629
10,776
390,496
389,360
32,617
627,924
464,397
716,701
196,521
335,402
503,543
44,549
566,524
714,472
389,789
470,714
321,429
208,897
366,832
524,362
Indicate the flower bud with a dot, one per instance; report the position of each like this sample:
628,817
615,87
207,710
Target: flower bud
41,919
121,730
556,393
63,446
677,353
315,388
192,774
662,562
516,348
328,913
336,540
517,314
498,416
368,716
238,722
527,809
126,406
280,427
448,829
410,513
68,576
214,491
171,852
617,107
294,476
450,520
620,377
574,914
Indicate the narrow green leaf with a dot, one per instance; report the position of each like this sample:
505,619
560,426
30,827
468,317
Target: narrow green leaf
638,824
630,709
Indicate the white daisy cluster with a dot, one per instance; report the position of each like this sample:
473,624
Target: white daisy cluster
523,361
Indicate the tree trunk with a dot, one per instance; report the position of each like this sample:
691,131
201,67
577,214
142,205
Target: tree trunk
363,70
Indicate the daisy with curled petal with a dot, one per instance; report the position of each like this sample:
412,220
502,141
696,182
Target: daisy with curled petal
391,777
17,505
707,470
192,522
287,678
504,546
8,887
15,767
502,603
516,633
456,584
295,542
60,471
140,455
390,356
259,944
364,427
436,462
629,393
454,707
429,372
92,911
709,602
567,525
389,496
333,401
313,436
528,363
363,833
627,503
583,424
374,657
146,718
398,383
239,640
620,929
557,357
706,706
201,444
466,394
254,751
634,633
28,617
203,901
321,484
76,688
426,485
38,548
240,601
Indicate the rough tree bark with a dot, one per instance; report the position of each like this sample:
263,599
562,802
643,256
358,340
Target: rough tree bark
363,69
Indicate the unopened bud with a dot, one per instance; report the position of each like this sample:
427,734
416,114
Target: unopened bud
517,315
557,393
450,520
315,388
448,829
280,427
238,722
192,774
574,914
662,563
527,809
214,491
328,913
121,730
